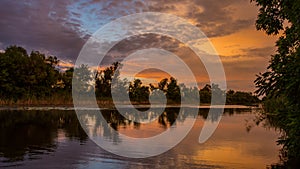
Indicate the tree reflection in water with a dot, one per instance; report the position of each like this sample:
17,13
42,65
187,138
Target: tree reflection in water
26,134
35,132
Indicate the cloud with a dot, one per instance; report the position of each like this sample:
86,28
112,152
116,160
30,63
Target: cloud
215,18
241,69
40,25
134,44
260,52
62,27
64,65
130,45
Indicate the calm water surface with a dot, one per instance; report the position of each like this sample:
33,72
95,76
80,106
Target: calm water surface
55,139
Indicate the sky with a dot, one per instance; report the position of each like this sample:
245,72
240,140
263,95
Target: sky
61,28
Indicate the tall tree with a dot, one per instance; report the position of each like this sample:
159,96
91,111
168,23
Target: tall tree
67,79
138,92
282,79
173,90
16,59
42,74
104,79
205,94
24,76
82,80
162,85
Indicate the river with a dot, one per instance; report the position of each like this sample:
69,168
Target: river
55,139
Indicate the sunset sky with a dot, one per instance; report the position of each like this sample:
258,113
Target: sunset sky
62,27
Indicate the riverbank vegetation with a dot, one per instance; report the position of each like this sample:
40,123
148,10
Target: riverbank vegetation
280,84
36,79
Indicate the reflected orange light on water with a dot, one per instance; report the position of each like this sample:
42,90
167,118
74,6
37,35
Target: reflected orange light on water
230,146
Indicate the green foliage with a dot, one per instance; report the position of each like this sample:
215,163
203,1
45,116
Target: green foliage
241,98
282,79
232,97
82,78
36,77
138,92
190,95
173,90
162,85
218,94
25,76
170,88
66,79
205,94
104,79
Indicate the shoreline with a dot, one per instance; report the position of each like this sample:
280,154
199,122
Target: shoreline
141,106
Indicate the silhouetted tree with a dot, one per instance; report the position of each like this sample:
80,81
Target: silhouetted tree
173,90
205,94
67,79
24,77
104,79
82,80
138,92
162,85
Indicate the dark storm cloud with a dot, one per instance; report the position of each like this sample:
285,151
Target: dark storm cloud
40,25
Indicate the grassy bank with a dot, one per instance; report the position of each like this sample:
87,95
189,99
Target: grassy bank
102,102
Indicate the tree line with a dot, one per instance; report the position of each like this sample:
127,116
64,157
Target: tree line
36,76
